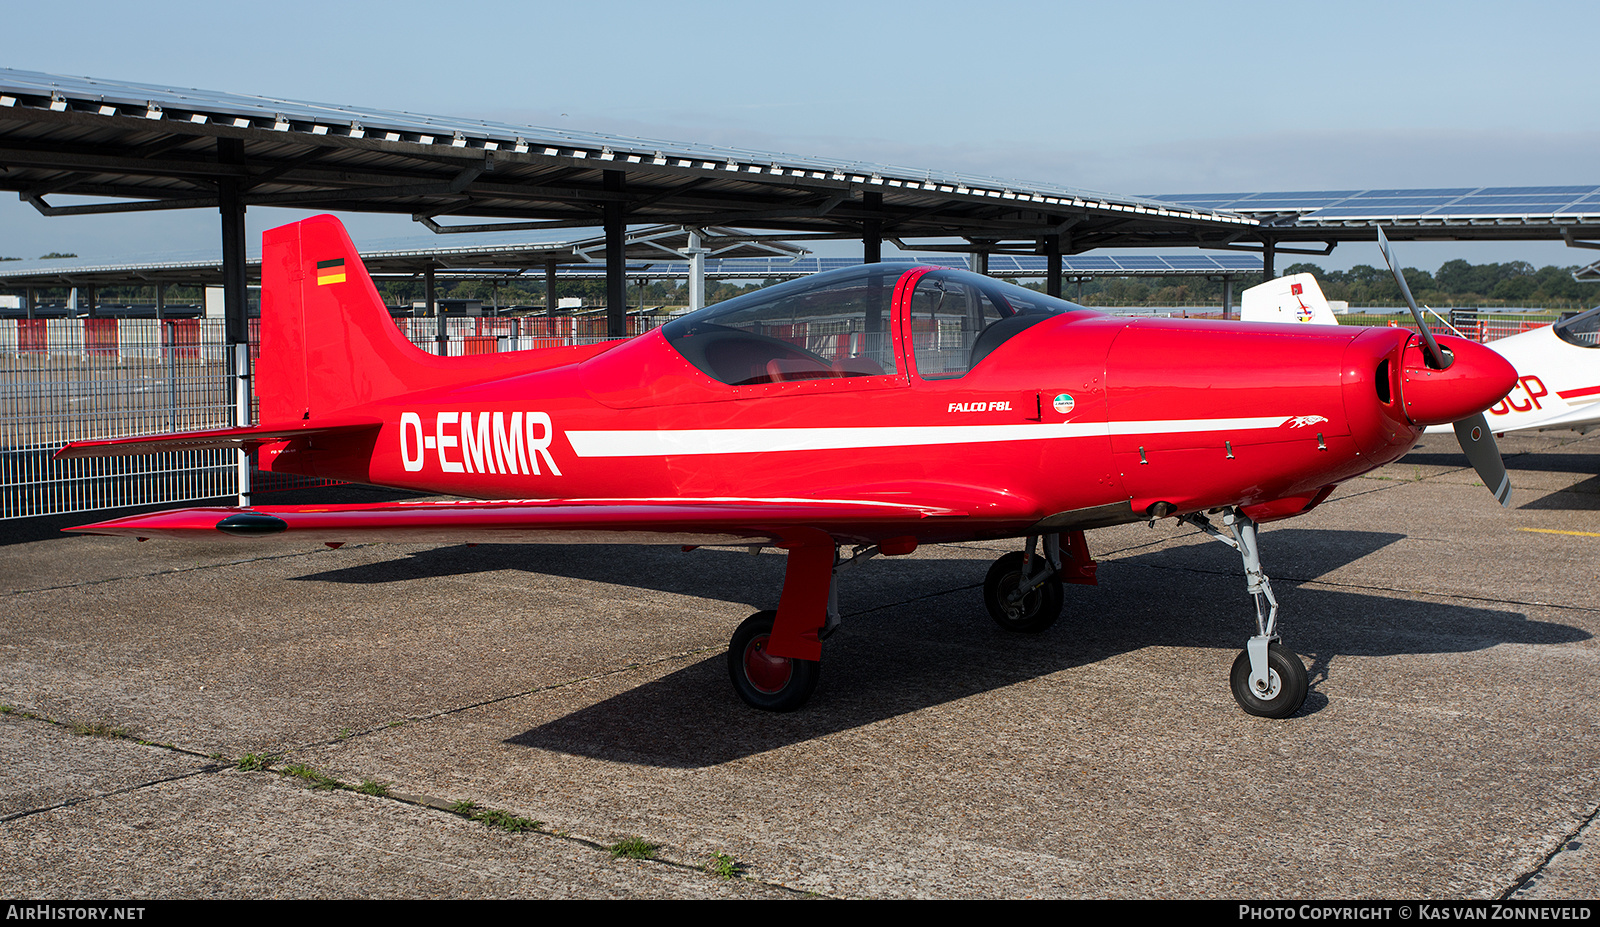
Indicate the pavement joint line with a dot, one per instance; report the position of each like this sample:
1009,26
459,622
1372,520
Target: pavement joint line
211,767
281,769
1298,581
1527,880
919,598
136,787
204,566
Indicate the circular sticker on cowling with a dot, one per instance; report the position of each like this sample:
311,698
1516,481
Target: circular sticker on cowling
1063,403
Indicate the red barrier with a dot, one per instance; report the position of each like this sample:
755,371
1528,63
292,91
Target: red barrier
182,337
100,338
32,337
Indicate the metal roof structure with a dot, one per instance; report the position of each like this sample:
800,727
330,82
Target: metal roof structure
152,147
500,253
647,258
1082,266
1570,213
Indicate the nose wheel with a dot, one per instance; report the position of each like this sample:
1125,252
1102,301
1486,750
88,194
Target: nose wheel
1277,695
764,681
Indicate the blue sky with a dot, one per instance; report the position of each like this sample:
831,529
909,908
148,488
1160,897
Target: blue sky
1152,97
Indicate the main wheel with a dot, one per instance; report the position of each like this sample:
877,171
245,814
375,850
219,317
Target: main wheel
764,681
1286,683
1038,610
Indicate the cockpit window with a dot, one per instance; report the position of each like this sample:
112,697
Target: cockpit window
958,319
834,324
1581,329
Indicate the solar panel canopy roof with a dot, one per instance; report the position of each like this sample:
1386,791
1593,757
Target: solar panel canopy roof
131,146
510,258
1496,213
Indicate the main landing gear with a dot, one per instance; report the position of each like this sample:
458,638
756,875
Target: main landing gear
1023,591
774,658
764,681
1268,679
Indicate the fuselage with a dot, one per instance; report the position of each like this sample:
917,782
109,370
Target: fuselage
1075,417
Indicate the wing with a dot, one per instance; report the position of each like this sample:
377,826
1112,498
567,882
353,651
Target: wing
565,521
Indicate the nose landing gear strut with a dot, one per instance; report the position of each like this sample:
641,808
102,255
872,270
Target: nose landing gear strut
1268,678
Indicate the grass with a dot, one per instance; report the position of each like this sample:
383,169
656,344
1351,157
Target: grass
317,780
253,762
371,787
100,729
633,848
493,817
506,821
724,866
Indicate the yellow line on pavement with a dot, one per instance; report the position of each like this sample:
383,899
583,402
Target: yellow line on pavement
1581,534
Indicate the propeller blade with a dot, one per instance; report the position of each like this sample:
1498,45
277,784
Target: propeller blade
1484,455
1434,353
1473,434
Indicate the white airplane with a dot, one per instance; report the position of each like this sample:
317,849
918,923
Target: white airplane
1558,366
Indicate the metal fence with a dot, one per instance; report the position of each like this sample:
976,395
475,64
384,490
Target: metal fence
67,380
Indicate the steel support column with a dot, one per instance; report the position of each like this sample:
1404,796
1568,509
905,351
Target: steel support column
872,229
697,270
550,288
235,295
1052,261
1269,251
616,258
440,336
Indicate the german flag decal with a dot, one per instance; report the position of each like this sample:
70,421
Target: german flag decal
330,271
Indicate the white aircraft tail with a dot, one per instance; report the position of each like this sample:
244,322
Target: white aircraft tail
1295,298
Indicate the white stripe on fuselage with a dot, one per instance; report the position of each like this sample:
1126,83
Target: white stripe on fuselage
774,440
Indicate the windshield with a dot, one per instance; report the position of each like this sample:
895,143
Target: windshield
1580,329
959,318
838,324
833,324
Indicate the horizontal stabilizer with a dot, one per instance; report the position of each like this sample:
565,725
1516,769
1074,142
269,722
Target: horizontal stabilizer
213,438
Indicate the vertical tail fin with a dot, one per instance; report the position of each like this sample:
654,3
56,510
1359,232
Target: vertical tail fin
327,342
1295,298
328,345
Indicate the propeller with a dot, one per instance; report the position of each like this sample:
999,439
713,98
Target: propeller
1473,433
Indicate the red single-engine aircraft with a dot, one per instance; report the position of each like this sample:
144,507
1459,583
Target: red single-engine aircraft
874,408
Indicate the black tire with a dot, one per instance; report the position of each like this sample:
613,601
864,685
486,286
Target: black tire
763,681
1038,610
1287,676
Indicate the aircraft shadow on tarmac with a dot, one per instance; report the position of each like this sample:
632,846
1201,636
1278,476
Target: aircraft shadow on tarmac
915,633
1584,496
1581,496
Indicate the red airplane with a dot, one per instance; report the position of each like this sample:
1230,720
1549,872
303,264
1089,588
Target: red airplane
871,409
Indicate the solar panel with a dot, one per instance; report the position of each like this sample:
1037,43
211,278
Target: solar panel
1452,191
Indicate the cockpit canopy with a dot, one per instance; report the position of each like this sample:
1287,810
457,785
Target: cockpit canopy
1581,329
843,323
